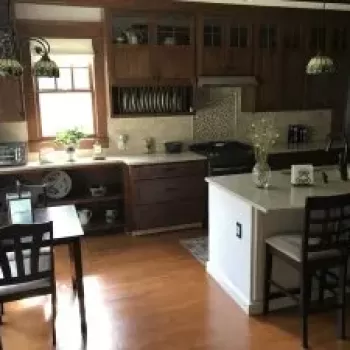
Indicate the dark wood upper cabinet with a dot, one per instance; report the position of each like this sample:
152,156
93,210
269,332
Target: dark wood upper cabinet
293,63
240,49
212,53
11,102
156,48
267,66
132,62
175,50
274,45
225,46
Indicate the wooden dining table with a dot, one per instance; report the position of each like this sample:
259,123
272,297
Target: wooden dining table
67,230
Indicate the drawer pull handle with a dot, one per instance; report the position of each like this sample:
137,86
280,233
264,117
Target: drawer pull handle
169,169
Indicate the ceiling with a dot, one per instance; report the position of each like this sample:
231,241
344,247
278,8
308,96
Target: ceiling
339,5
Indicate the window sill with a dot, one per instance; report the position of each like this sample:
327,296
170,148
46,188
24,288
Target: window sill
36,145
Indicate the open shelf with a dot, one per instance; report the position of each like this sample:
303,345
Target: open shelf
84,199
102,226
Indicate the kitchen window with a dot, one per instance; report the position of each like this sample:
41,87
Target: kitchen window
68,101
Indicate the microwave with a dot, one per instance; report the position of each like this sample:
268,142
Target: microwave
13,153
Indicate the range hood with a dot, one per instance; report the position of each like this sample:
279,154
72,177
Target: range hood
226,81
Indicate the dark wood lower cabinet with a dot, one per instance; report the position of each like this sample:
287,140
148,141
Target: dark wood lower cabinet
165,195
160,215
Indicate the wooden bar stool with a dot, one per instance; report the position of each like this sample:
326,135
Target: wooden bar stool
324,244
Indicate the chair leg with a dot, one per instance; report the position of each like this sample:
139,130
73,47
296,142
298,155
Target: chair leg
267,279
321,286
2,311
304,307
54,312
342,302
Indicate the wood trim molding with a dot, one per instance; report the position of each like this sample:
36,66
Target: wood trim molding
101,94
60,29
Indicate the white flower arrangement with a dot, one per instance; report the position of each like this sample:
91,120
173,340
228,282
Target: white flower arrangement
263,135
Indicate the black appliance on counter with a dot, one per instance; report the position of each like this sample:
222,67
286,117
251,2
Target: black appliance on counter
226,157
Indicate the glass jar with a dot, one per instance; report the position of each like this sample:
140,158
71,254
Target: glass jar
261,174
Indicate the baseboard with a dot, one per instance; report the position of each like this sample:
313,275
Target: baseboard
228,287
254,307
166,229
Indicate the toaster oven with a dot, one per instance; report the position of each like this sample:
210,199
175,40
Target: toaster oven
13,153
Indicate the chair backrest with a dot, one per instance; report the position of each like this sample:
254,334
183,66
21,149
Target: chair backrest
327,225
25,253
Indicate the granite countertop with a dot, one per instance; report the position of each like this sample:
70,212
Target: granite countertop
157,158
281,194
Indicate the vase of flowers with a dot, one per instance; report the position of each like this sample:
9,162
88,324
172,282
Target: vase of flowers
70,139
263,137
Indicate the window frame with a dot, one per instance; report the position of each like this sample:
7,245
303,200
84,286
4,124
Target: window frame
73,90
69,30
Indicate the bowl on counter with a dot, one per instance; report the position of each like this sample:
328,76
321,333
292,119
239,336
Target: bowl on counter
173,147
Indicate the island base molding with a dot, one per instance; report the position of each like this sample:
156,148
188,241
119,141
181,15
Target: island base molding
256,307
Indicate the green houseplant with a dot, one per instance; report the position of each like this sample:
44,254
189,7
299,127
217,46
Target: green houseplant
70,140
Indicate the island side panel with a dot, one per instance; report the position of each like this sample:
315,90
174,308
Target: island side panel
229,256
266,225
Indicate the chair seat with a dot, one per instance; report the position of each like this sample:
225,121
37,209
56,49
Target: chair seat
44,265
26,287
290,245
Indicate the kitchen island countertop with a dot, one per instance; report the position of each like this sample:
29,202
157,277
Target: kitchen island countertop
281,194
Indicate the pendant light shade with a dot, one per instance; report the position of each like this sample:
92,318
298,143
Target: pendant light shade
320,64
9,65
45,67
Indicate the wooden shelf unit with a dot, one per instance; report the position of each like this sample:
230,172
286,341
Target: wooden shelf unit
85,200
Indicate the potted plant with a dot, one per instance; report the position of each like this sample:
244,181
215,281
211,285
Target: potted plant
70,140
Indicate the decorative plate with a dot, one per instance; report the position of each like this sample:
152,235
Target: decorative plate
58,184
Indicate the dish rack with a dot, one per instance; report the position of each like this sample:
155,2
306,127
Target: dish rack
162,100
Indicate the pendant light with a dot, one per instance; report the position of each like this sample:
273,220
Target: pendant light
9,64
321,64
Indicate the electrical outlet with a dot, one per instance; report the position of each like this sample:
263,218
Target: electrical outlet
239,230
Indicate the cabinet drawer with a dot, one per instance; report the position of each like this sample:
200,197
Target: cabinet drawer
168,170
163,190
168,214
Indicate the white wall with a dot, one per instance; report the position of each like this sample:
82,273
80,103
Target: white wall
229,256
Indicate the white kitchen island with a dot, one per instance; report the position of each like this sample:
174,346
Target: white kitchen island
237,264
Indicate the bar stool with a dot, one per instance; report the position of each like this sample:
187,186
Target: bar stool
324,244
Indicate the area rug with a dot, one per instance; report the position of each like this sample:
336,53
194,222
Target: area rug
198,247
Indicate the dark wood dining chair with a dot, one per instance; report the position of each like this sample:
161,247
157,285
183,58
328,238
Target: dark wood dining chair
323,245
27,264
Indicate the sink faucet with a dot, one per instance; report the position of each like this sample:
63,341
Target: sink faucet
343,154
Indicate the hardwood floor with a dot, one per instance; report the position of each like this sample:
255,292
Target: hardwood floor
149,293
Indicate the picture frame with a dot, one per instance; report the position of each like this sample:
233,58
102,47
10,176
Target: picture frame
20,210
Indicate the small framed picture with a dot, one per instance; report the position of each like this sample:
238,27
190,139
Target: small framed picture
20,211
302,175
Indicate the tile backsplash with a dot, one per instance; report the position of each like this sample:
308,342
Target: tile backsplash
218,117
179,128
